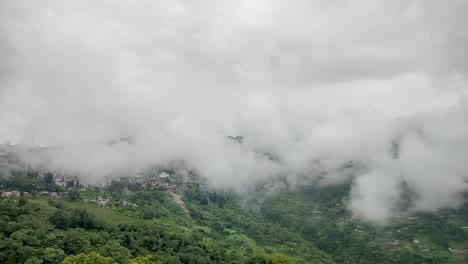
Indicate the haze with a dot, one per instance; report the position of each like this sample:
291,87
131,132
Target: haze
313,86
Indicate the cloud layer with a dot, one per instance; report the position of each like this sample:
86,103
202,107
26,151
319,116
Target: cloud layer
312,85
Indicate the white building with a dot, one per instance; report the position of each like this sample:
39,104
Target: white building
164,175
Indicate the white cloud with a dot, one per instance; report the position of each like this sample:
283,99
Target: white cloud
316,84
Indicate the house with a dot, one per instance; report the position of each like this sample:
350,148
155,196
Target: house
163,175
61,182
456,250
103,203
11,194
393,243
6,194
54,194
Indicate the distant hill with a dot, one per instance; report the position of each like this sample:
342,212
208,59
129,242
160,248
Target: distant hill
178,219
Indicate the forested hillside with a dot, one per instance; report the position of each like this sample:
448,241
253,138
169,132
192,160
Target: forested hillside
129,222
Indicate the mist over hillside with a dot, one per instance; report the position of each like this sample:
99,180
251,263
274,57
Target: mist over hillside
371,93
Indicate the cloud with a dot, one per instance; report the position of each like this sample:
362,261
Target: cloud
320,90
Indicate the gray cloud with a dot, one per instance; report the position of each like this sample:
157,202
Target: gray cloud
317,85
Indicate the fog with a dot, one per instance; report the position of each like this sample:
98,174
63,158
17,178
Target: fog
313,86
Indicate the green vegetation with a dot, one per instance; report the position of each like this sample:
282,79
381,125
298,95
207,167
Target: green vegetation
319,216
92,258
131,223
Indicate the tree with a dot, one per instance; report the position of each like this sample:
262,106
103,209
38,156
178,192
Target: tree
82,218
92,258
60,219
278,259
115,250
48,178
53,255
142,260
23,200
34,260
75,242
73,194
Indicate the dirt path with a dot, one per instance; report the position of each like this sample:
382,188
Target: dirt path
179,201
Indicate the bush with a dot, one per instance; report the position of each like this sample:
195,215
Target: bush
92,258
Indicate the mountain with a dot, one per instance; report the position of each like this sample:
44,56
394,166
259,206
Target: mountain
172,216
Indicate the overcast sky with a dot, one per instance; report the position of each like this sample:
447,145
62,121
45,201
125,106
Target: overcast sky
316,84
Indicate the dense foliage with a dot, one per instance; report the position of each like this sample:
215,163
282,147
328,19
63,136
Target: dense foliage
140,224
